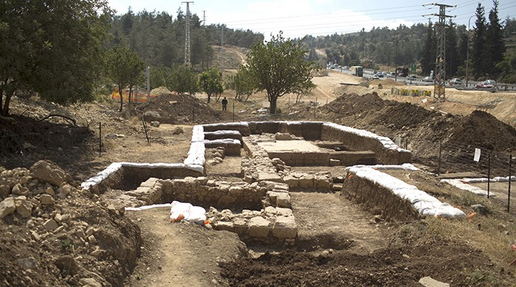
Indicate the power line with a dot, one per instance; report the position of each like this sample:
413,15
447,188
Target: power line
440,61
187,33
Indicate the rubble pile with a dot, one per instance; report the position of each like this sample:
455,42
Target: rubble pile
69,237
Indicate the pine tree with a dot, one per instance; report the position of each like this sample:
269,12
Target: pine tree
479,43
452,53
429,51
494,40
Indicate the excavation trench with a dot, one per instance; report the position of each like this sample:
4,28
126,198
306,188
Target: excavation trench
274,184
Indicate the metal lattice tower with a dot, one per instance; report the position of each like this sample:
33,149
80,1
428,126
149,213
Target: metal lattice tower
187,33
440,60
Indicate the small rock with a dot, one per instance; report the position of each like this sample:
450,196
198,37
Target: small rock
4,190
23,207
18,189
7,206
155,124
96,252
92,239
46,199
480,209
50,191
64,190
28,263
177,130
50,225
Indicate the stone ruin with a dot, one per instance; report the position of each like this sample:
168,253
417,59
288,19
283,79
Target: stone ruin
257,207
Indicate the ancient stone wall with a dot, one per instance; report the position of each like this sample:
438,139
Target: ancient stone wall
379,200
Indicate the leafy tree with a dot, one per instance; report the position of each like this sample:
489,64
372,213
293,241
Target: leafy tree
429,51
124,68
211,82
495,46
479,43
52,48
242,83
183,79
279,67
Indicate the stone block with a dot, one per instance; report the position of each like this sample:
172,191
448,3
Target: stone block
306,181
223,225
285,227
334,162
240,226
259,227
283,200
281,211
292,181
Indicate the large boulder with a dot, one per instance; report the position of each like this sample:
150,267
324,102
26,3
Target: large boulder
47,171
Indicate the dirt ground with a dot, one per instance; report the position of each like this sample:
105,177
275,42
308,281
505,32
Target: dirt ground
339,244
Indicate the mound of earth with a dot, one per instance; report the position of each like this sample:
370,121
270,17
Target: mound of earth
393,119
353,104
484,130
55,234
181,109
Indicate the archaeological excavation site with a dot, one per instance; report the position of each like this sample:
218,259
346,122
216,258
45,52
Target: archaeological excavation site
224,202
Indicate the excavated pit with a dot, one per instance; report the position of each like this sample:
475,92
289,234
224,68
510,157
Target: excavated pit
257,206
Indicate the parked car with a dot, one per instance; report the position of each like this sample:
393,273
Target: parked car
455,82
488,84
428,79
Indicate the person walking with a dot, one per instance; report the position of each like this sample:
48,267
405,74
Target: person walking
224,104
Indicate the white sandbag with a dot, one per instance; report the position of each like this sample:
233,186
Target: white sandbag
188,212
179,210
197,215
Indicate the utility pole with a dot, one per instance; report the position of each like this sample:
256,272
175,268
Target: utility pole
187,34
440,61
204,17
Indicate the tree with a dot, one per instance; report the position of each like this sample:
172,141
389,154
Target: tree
495,46
479,43
242,83
452,52
183,79
211,82
279,67
124,68
429,51
52,48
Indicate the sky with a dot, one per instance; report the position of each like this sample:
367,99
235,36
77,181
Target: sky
297,18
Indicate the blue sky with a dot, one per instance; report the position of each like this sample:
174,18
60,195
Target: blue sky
297,18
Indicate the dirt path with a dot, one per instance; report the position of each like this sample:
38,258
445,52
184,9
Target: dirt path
180,254
331,221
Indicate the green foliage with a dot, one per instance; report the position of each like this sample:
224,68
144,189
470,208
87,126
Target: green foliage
211,82
125,68
52,48
279,67
243,84
183,79
429,51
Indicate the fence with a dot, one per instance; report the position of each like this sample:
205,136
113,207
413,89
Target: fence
448,157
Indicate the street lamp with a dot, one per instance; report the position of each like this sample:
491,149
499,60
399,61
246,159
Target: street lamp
467,53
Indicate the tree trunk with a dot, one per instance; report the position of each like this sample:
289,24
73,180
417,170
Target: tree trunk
121,100
273,105
209,97
130,94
